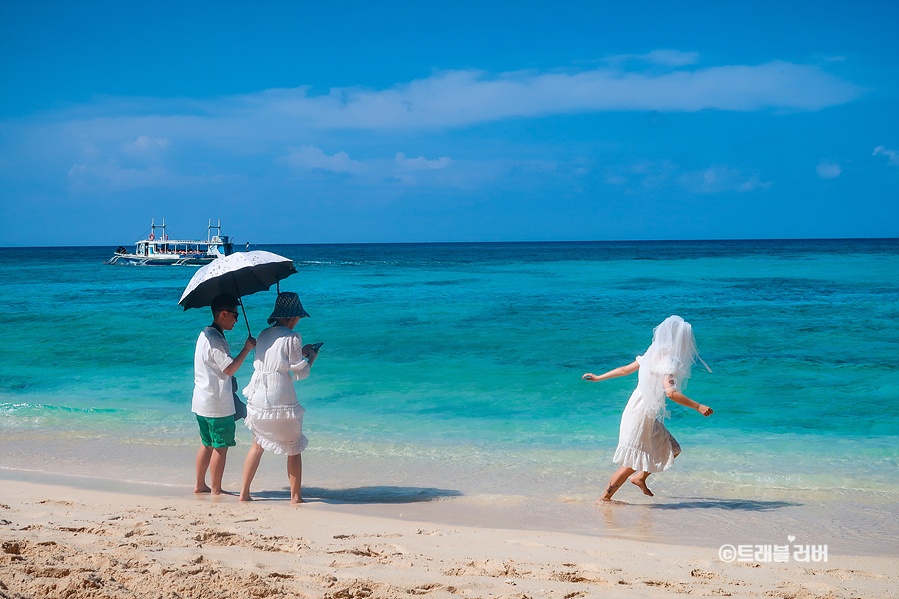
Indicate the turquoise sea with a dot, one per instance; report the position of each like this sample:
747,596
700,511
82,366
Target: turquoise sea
449,387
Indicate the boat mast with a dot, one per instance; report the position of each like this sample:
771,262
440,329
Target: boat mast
217,227
154,226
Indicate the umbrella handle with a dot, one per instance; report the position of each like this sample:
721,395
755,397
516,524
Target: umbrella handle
239,301
244,312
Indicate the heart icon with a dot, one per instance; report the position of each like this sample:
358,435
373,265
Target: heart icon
791,538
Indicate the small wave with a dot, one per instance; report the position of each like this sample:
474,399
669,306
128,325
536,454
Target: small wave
17,409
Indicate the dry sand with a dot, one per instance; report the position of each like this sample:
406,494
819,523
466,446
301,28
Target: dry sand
76,543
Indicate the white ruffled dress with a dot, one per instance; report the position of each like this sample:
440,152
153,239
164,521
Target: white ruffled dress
644,443
273,413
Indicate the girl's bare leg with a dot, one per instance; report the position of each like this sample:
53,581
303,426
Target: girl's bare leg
249,469
616,481
295,474
639,479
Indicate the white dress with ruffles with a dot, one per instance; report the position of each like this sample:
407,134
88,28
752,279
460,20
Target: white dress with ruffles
644,443
273,413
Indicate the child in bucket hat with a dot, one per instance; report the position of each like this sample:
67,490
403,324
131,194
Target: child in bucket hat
274,415
287,305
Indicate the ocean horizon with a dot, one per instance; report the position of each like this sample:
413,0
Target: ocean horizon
449,383
239,245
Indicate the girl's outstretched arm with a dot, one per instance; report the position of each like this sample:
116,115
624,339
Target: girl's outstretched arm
683,400
678,397
620,371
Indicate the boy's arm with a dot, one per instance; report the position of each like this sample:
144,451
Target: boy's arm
235,364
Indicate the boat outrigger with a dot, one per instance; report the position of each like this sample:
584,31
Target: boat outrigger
159,250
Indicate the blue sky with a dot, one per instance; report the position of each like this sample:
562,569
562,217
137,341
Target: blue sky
470,121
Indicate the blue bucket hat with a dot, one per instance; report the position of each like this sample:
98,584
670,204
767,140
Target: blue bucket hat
287,306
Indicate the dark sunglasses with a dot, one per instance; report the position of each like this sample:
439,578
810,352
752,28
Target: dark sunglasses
236,314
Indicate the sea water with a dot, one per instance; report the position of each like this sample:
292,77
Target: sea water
449,384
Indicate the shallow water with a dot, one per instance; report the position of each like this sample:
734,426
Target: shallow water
452,372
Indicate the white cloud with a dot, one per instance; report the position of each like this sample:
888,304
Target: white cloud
717,179
118,138
462,98
893,155
149,143
828,170
310,157
421,163
253,123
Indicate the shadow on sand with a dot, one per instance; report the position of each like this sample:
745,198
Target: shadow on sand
746,505
379,494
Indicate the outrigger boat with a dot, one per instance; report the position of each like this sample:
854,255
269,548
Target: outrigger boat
159,250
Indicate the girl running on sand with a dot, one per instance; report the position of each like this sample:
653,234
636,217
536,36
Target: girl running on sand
644,444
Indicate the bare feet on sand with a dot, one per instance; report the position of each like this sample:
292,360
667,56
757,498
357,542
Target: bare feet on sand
602,502
298,501
640,481
206,489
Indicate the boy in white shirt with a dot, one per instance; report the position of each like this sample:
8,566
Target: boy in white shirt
213,399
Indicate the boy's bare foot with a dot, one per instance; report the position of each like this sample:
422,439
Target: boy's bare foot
203,489
244,497
641,482
295,502
223,492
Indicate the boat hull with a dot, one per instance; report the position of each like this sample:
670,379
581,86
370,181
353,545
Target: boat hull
159,260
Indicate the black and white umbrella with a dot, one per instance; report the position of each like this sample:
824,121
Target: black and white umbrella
239,274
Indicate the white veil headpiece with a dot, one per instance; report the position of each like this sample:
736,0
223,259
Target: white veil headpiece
673,352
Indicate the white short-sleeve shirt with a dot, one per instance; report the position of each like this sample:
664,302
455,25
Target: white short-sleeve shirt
213,396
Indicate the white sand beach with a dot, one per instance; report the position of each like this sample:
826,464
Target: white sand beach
74,543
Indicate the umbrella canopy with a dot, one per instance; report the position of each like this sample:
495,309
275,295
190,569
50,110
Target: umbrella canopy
239,274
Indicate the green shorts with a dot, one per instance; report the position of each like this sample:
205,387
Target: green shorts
217,432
